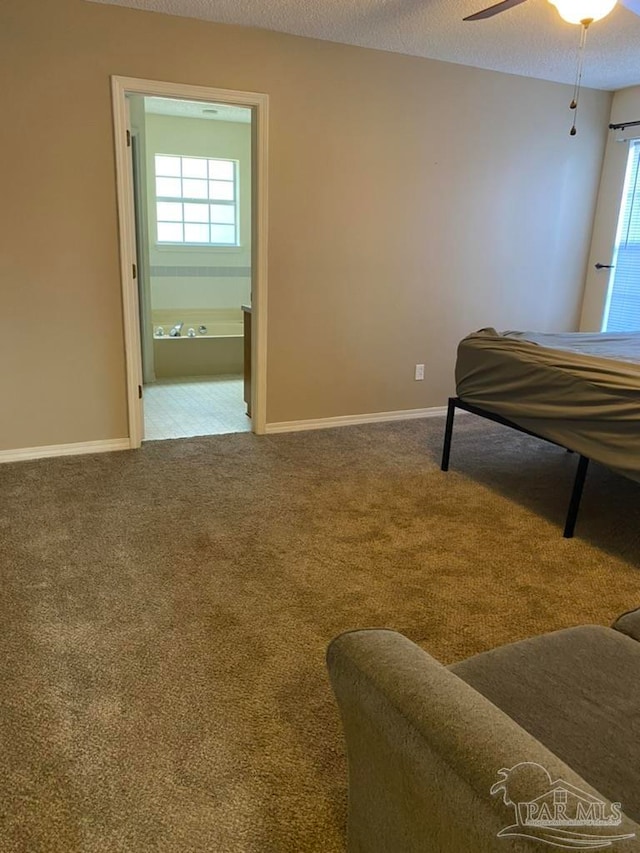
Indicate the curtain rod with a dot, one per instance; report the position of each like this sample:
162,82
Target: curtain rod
623,125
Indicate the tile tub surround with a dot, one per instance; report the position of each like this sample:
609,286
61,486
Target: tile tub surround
218,352
220,322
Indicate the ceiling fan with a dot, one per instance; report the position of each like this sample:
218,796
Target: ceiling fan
583,12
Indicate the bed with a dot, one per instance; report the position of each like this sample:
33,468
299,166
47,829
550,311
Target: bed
580,391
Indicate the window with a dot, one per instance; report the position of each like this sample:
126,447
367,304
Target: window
196,200
622,313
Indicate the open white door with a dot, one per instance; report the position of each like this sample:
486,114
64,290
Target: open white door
128,268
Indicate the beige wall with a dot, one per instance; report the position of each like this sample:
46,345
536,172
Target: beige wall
625,107
410,201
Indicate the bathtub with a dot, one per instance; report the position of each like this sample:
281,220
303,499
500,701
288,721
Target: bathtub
218,350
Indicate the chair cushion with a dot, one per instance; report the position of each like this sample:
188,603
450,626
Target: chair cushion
577,691
629,624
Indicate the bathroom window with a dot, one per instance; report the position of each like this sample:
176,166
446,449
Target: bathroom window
196,201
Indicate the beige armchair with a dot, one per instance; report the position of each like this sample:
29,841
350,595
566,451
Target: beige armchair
431,749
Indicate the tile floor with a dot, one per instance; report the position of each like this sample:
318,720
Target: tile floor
194,405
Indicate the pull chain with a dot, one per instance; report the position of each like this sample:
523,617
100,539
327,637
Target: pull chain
576,88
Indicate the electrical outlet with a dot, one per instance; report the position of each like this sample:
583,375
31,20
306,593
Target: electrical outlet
419,372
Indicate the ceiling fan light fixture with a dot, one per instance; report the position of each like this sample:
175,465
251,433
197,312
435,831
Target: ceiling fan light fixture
583,11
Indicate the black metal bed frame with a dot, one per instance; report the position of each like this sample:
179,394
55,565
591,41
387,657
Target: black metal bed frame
581,471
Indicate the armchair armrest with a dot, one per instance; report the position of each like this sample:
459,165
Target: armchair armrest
629,623
424,750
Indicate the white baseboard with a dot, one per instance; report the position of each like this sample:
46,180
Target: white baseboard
353,420
23,453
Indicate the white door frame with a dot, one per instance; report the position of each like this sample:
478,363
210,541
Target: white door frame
259,104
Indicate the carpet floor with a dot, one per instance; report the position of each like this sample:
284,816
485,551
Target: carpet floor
164,616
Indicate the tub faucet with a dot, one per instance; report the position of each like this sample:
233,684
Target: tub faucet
176,331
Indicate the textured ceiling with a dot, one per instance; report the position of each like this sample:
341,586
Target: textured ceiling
530,39
197,109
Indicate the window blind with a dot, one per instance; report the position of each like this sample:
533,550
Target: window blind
623,314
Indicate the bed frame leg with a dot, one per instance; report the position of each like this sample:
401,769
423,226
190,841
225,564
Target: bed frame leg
448,434
576,494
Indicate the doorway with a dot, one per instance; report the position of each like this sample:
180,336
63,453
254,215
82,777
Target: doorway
191,166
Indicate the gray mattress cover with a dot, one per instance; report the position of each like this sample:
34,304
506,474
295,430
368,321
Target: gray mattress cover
580,390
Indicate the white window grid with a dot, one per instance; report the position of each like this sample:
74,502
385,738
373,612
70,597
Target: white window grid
196,200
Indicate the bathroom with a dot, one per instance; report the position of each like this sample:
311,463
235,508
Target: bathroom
192,190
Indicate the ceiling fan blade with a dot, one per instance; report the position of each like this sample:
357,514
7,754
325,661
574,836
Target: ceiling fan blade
632,5
508,4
